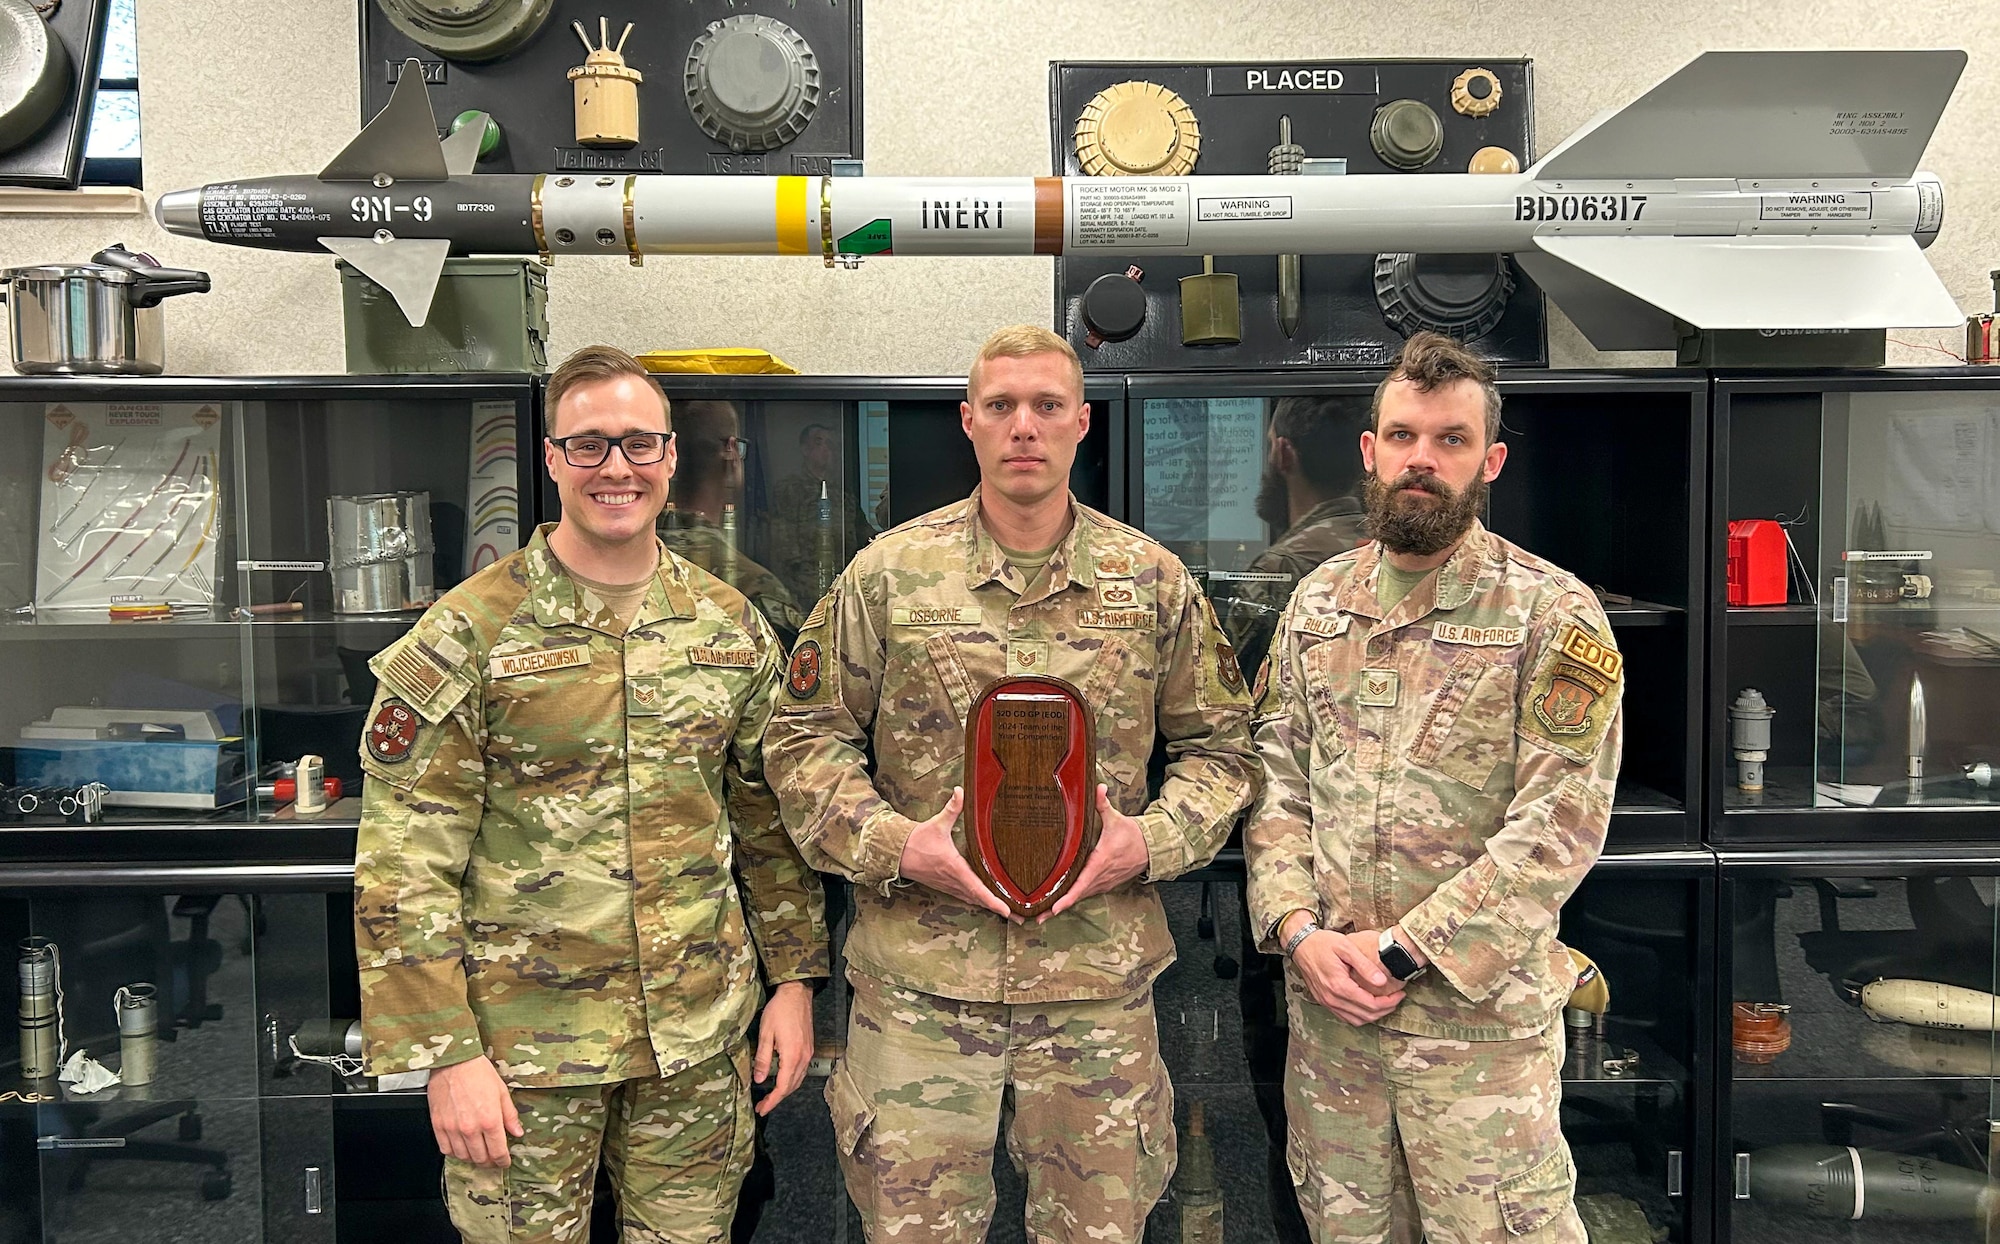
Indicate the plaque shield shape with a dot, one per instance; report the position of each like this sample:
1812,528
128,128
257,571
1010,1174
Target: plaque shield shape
1030,766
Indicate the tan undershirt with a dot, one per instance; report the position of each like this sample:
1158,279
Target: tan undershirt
1030,564
622,599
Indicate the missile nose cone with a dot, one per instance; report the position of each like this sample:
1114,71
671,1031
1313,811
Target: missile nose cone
179,211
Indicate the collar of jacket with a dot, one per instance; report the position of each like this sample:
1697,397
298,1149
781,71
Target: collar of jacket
557,600
1450,587
1074,561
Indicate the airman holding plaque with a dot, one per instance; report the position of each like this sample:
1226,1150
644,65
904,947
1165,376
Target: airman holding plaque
1013,656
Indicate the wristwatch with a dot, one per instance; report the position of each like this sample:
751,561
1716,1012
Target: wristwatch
1396,961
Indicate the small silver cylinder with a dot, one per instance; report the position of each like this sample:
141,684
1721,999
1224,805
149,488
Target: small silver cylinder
40,1039
138,1008
380,550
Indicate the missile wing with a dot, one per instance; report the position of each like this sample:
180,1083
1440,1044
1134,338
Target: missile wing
1748,190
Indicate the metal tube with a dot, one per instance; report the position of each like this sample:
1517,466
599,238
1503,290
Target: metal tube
138,1009
41,1034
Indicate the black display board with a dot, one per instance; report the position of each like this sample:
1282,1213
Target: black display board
53,158
1332,105
529,93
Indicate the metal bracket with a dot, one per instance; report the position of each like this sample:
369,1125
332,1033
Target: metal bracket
1674,1187
1742,1176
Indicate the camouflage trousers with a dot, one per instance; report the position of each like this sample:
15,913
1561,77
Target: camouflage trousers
1474,1126
677,1148
917,1106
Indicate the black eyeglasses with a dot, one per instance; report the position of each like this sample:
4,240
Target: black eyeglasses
589,450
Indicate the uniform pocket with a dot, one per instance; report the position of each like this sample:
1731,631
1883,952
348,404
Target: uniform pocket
478,1200
1469,729
1326,673
926,696
1534,1198
853,1111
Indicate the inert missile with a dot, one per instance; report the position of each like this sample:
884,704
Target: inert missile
1748,190
1828,1181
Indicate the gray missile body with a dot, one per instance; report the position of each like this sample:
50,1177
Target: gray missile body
1830,1181
1748,190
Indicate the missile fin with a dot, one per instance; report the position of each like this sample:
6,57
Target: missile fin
461,150
1611,318
1772,115
402,140
1758,282
407,267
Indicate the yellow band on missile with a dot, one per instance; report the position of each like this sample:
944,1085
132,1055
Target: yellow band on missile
792,215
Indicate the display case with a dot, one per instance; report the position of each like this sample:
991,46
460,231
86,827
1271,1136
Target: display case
1605,477
1853,613
194,574
781,479
1856,1093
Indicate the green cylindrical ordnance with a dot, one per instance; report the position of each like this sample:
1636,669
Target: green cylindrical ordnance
138,1010
1931,1004
1194,1188
40,1038
1612,1219
1828,1181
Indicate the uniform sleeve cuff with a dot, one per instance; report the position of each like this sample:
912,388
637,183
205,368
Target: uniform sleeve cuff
402,1026
880,851
1166,849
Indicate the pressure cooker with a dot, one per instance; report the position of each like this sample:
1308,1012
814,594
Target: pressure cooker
100,318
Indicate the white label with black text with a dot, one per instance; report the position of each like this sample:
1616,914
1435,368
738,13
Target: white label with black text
1256,208
1110,212
1827,205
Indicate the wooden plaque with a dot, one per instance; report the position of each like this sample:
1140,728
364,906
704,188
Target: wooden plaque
1030,778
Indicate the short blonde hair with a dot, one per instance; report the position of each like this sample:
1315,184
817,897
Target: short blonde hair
1019,341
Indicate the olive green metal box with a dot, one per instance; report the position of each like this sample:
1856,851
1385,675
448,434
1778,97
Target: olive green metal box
489,315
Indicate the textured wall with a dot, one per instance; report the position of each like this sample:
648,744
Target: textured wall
954,87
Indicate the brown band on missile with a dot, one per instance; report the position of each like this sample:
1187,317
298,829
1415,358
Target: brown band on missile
535,214
1048,215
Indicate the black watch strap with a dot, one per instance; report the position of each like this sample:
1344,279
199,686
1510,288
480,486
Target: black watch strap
1399,962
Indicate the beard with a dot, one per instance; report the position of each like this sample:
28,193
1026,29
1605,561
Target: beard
1274,499
1420,526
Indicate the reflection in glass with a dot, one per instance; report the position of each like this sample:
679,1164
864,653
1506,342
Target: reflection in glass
703,518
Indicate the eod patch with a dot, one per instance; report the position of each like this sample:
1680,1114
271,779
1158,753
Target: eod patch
393,733
803,679
1572,700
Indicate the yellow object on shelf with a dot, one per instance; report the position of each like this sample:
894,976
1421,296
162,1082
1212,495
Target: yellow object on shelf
719,361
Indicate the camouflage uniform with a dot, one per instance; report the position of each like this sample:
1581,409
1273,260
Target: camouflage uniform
950,998
1449,769
702,543
547,873
1251,612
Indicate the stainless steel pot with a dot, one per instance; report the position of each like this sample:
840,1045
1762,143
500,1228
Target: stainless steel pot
93,319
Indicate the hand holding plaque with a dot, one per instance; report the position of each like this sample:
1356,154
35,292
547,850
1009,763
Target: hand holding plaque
1030,778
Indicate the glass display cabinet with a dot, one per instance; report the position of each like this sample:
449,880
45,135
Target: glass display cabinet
781,479
1605,477
194,575
1855,1099
1853,550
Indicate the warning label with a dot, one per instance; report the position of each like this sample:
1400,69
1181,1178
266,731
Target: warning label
1115,213
1830,205
1266,208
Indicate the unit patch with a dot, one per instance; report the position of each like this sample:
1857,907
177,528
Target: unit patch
1116,619
1479,636
1331,628
1563,703
741,657
940,615
393,732
538,661
803,680
1226,668
1379,689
